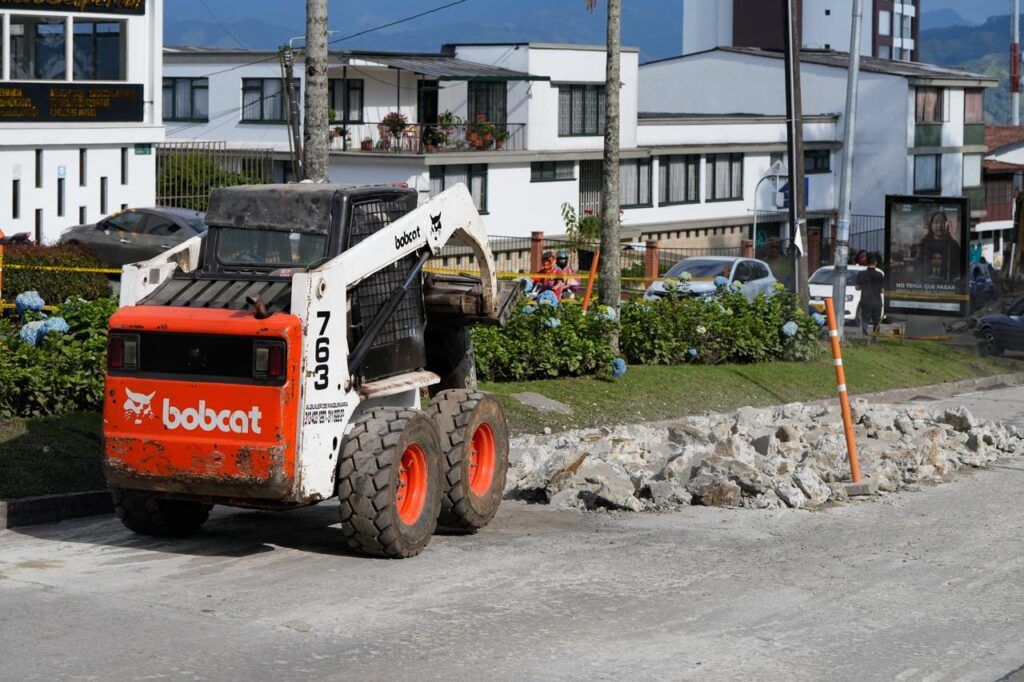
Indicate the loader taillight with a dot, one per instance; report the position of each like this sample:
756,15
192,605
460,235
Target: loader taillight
268,360
123,351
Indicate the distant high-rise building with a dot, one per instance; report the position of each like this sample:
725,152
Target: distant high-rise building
890,29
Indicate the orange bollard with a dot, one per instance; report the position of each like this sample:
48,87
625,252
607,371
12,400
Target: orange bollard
844,399
590,281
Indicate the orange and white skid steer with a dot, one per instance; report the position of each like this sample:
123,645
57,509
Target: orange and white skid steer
279,360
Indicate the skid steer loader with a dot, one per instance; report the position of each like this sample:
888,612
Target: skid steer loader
279,361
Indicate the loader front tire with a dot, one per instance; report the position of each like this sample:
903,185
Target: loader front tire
389,482
474,436
151,515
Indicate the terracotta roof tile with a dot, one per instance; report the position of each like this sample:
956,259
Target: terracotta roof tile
997,136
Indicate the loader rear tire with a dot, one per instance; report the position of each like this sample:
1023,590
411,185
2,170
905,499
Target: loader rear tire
389,482
474,436
151,515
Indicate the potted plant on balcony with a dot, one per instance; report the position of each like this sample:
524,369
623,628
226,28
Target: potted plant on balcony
434,137
500,135
366,144
395,123
480,133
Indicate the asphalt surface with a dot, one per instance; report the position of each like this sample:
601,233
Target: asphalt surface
916,586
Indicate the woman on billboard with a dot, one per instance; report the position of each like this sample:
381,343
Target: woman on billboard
939,247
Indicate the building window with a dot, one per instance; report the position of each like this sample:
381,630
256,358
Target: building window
124,165
103,196
346,98
884,52
489,99
930,105
972,170
83,166
60,197
580,110
186,99
725,177
81,215
39,168
263,100
474,176
549,171
927,172
908,27
39,226
99,50
817,161
16,199
884,22
38,49
974,105
678,179
635,183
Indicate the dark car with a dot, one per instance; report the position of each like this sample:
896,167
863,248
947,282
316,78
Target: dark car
982,286
137,234
1004,331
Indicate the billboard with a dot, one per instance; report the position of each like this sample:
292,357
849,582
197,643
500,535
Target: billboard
100,6
926,255
60,102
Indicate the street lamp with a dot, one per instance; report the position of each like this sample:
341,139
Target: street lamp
775,171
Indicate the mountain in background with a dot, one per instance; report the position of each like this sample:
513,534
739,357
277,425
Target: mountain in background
973,11
979,49
942,18
654,26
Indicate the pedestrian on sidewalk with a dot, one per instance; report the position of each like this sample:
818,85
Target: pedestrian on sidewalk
870,283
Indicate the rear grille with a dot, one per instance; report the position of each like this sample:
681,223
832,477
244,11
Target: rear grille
370,295
206,357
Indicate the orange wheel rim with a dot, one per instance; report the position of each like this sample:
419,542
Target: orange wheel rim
481,460
412,484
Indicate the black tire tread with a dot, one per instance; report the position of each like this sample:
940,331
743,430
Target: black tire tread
151,515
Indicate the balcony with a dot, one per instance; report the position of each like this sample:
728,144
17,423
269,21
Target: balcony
428,138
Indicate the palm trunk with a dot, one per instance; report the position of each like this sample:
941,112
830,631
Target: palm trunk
610,284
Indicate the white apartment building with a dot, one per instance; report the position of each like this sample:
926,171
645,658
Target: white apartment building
890,30
79,110
521,124
920,128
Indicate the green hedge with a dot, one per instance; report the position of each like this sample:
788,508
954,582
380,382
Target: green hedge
55,286
65,372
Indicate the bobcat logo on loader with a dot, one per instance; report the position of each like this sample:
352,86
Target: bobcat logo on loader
435,224
138,405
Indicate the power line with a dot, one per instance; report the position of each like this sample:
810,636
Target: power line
222,25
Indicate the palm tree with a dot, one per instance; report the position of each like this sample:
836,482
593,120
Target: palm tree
610,285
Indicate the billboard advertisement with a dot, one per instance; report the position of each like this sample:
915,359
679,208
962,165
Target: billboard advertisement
926,255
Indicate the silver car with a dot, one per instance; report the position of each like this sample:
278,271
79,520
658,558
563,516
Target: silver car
754,276
136,234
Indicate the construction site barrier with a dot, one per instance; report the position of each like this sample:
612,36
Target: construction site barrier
844,398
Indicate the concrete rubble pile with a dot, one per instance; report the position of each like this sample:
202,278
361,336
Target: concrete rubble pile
789,456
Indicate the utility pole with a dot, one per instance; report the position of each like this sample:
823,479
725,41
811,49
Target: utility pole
316,134
846,179
795,133
1015,64
287,57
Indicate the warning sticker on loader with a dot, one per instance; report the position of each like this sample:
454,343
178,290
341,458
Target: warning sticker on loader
324,413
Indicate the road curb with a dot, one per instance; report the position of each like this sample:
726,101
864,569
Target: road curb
29,511
940,391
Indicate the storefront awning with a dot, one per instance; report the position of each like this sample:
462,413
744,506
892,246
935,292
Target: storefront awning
993,226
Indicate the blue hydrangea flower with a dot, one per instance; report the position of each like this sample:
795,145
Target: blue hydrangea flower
529,309
55,325
692,353
618,367
608,313
28,300
819,319
529,284
553,322
790,329
32,332
548,298
721,281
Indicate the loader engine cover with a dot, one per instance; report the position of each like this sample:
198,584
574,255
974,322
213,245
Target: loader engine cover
201,402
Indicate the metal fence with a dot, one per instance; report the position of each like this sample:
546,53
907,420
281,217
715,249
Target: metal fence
186,171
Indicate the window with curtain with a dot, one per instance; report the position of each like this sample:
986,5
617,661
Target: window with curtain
346,98
972,170
929,105
263,99
974,105
724,177
678,179
635,183
490,99
549,171
99,50
186,99
38,48
474,176
927,172
581,110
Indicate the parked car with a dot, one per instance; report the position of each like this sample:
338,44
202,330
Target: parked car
14,239
1002,331
755,276
136,234
820,288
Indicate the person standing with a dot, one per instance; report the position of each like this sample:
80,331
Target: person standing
870,283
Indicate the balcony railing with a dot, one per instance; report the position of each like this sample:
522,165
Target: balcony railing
429,138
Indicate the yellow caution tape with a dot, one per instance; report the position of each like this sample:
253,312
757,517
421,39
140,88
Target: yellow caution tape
58,268
9,306
532,275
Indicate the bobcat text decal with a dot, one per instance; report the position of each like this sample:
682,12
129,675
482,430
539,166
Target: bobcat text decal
407,238
208,419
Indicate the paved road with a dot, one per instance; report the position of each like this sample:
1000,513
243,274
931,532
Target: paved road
921,585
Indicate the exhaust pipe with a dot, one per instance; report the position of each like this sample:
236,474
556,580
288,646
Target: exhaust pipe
260,311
